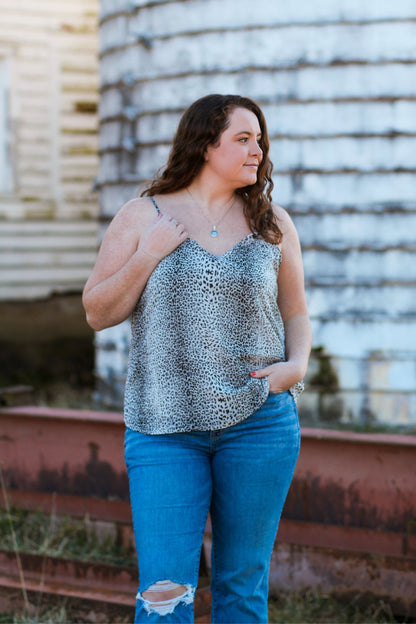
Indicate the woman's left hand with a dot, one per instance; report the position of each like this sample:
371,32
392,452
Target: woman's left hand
282,375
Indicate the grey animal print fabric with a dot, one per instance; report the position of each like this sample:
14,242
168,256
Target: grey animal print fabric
201,325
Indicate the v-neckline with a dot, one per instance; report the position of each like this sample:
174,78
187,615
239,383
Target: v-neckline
225,252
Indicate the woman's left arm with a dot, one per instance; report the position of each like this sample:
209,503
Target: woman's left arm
292,305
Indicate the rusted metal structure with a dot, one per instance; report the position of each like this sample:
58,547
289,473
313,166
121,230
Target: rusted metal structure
82,580
348,523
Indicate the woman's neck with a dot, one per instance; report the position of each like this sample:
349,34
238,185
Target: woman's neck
213,201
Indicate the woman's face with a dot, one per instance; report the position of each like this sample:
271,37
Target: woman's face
235,159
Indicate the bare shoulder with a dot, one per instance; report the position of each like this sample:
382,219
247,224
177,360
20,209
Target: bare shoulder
138,212
130,221
285,223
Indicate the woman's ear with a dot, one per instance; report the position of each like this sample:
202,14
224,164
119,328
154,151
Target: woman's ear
207,152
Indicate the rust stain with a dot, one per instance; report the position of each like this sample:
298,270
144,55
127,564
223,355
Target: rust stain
313,499
86,107
97,478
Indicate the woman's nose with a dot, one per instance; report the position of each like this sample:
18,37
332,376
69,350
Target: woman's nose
256,149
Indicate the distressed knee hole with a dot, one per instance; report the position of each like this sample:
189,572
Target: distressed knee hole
164,596
163,590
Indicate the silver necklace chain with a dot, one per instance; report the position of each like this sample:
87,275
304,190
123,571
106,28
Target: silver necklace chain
214,231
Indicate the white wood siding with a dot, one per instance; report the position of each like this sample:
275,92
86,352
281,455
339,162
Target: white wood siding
336,81
51,52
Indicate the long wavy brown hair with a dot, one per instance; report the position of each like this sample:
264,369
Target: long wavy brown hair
201,125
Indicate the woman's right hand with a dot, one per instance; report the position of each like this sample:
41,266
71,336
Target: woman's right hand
162,237
133,245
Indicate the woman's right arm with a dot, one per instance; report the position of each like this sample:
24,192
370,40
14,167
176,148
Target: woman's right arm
135,242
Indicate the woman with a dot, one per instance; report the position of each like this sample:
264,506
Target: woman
211,273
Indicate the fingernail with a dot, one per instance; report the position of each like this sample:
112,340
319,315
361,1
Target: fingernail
253,373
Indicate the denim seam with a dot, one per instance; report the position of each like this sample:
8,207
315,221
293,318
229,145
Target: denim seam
192,582
213,597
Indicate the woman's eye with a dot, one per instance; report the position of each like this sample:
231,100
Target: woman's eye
243,140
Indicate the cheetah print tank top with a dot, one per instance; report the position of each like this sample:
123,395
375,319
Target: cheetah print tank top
201,324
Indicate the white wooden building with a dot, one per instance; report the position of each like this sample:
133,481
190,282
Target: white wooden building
336,80
48,146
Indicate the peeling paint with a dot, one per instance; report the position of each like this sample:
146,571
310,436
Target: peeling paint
314,499
96,478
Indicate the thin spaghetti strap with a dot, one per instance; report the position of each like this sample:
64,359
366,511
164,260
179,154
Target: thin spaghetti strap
155,204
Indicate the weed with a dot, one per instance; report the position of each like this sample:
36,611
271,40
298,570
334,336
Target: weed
12,534
71,612
317,607
62,537
310,607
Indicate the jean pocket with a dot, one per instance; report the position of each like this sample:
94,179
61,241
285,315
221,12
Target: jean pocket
283,394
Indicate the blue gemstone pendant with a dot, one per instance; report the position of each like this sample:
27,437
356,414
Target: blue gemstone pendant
214,232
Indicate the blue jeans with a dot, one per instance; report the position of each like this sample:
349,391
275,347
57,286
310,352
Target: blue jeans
241,475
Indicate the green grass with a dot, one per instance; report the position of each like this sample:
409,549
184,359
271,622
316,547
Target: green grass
69,613
316,607
78,539
311,607
57,615
62,537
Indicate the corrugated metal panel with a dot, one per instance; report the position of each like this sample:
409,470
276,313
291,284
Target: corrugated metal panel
52,52
41,257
